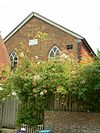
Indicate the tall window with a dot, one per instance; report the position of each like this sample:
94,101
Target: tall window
54,52
13,59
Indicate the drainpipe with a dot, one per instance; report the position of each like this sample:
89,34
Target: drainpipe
79,41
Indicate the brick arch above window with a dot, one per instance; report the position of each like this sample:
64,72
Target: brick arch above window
54,52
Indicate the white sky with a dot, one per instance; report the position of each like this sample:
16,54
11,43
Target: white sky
80,16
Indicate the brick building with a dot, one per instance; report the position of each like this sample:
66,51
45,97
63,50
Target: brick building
42,38
4,60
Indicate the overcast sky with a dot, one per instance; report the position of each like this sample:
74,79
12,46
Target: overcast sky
80,16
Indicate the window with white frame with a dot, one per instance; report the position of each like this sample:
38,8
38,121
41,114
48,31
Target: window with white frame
54,52
13,59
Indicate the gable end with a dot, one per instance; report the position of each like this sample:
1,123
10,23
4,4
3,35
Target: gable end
33,14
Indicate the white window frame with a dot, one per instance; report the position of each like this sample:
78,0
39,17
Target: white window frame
13,55
57,49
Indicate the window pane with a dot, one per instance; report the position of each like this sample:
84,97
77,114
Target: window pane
51,54
13,53
69,46
13,59
54,49
15,63
57,53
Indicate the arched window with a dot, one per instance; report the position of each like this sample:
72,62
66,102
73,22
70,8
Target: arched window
13,59
54,52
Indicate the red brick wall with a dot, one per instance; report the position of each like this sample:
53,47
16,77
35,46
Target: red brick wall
55,37
4,60
84,52
72,122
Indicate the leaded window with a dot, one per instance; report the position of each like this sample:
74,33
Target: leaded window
13,59
54,52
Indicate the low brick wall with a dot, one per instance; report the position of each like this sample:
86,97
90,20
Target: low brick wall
72,122
6,130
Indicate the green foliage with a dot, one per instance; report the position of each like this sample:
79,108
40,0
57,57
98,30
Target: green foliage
98,54
34,82
41,35
86,86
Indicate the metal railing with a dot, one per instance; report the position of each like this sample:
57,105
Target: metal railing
30,129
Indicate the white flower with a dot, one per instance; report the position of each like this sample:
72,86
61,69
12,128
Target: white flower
36,77
45,91
1,88
14,93
36,57
21,54
38,62
41,93
3,99
64,56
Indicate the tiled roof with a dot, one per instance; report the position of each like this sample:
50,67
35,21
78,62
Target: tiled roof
4,59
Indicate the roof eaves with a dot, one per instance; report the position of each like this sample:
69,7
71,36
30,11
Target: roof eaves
18,27
88,47
58,26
